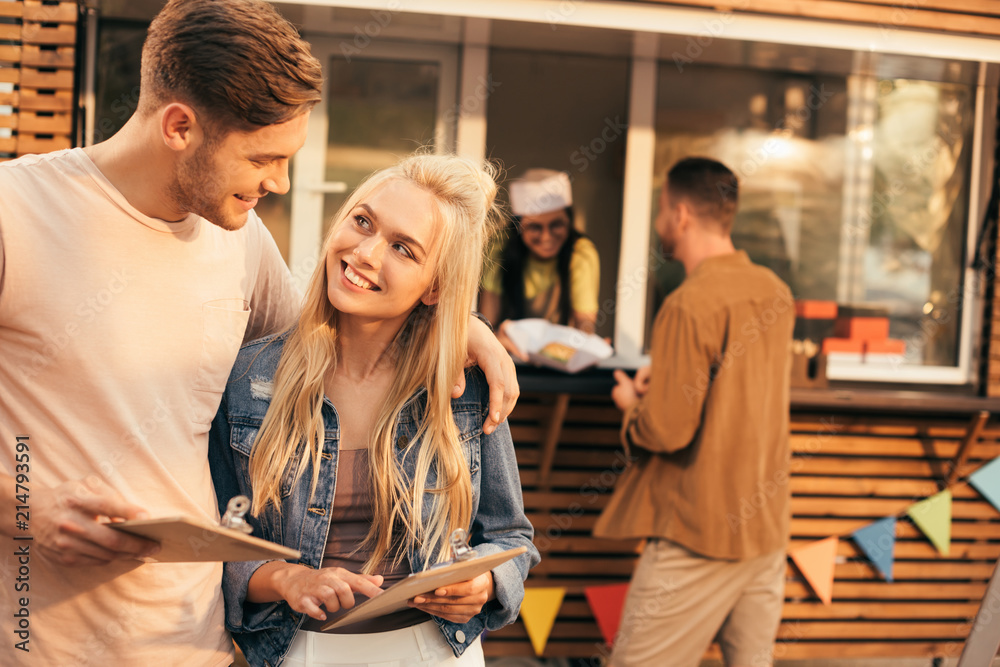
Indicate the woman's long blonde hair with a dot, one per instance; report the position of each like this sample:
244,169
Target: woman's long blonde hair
429,352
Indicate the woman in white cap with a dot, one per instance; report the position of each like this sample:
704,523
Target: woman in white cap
547,268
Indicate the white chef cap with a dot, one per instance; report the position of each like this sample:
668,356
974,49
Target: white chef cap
540,191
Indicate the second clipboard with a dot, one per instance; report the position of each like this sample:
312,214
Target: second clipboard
394,598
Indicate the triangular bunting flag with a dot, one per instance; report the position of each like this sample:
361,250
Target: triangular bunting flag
933,516
816,562
538,611
606,602
878,542
986,481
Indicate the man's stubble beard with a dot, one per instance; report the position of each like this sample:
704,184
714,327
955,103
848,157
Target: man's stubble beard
200,187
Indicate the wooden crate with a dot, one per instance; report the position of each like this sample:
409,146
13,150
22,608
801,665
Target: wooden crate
11,10
45,100
45,122
47,79
847,471
35,143
62,57
10,54
58,12
10,32
33,32
41,63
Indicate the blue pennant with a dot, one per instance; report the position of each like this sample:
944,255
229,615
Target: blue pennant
878,541
986,480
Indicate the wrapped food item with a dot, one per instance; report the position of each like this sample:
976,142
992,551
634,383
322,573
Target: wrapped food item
558,352
557,346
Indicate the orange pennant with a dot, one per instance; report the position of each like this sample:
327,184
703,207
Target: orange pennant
816,562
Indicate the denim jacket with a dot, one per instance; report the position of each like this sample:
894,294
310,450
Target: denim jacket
264,631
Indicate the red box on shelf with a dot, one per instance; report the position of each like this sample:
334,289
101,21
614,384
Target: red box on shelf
811,309
862,328
843,345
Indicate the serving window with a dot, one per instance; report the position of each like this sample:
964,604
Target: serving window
856,175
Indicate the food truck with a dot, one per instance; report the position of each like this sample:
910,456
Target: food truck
864,135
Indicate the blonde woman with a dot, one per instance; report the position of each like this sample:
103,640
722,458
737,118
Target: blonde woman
343,433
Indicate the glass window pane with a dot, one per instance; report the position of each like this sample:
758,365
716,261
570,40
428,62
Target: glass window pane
567,112
783,136
378,111
913,258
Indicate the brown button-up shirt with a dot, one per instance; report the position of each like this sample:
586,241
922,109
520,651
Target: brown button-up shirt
709,440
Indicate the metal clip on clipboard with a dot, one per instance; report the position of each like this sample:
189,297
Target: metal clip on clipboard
460,549
235,511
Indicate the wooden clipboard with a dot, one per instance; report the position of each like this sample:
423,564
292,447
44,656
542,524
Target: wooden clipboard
184,540
394,598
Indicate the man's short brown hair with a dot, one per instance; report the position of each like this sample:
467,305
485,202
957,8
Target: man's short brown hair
709,187
237,62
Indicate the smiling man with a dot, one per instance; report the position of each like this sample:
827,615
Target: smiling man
130,274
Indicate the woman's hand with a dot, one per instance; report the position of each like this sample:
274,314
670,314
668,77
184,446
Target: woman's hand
306,590
459,602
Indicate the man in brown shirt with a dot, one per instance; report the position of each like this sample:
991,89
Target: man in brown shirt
708,427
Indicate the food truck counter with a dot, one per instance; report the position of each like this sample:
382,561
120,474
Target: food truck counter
599,381
859,454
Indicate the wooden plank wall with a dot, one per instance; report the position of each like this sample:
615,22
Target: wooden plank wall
979,17
848,471
37,56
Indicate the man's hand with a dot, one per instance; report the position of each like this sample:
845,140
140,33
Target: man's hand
487,352
624,393
70,524
642,379
459,602
306,589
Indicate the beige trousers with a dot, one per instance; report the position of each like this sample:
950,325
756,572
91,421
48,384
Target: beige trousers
679,602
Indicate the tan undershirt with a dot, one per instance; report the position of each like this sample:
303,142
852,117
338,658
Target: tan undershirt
350,519
117,335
